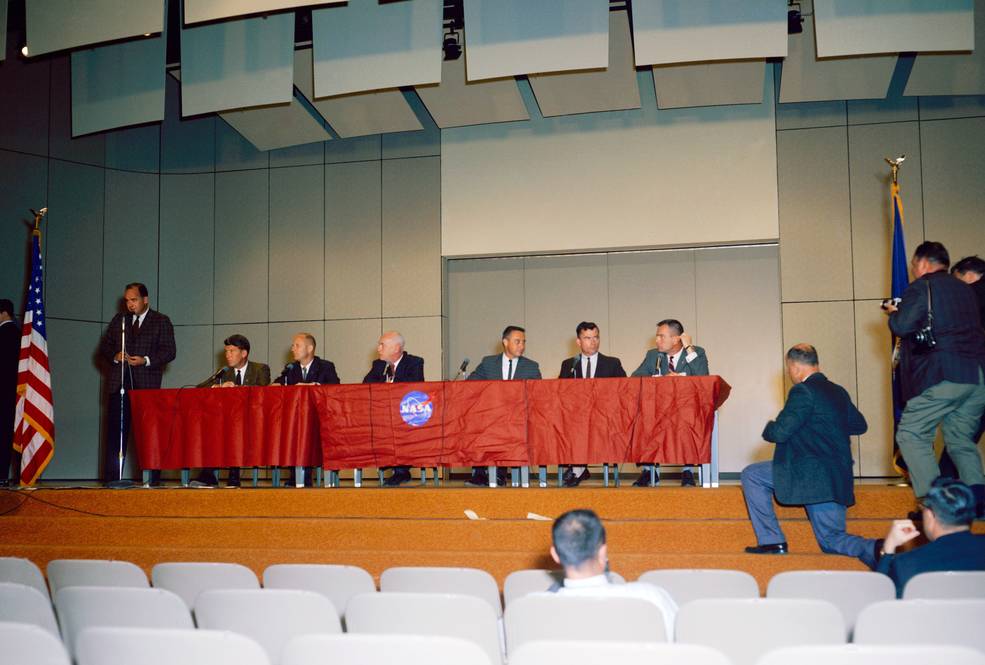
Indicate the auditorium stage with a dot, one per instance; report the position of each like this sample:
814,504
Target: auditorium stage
663,527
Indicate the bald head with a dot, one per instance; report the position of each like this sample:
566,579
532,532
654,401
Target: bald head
390,347
801,362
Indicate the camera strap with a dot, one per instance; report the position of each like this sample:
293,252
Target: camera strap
930,307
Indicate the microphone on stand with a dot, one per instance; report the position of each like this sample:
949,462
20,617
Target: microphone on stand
574,363
215,376
461,370
282,379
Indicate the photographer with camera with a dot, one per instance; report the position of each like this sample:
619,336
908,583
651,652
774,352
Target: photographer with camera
942,370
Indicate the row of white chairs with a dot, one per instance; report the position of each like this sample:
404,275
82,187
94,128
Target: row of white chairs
29,645
743,628
850,590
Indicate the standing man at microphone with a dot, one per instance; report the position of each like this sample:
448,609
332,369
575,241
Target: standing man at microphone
589,364
149,348
394,365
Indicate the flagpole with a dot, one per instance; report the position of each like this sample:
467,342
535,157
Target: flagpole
899,280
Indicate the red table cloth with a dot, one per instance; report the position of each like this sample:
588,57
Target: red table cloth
462,423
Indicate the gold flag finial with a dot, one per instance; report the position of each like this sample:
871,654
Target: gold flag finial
894,164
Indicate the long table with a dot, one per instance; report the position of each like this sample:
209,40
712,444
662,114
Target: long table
668,420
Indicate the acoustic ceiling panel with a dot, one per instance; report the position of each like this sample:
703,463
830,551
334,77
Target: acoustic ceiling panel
359,114
280,126
118,85
610,89
197,11
368,45
806,79
457,102
952,73
671,31
709,83
237,64
852,27
55,25
516,37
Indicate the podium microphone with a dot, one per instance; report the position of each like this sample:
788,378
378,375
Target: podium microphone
282,379
461,370
214,376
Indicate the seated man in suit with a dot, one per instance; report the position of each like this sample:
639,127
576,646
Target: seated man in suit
578,544
306,370
947,513
394,365
812,464
239,370
675,355
506,366
589,364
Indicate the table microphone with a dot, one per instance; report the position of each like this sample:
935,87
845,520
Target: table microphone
214,376
461,370
282,379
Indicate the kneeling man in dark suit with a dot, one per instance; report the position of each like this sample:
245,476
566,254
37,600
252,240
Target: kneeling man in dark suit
812,463
589,364
394,365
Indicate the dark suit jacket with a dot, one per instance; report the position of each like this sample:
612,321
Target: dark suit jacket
410,369
256,374
321,372
155,341
812,462
491,369
956,551
608,366
960,352
10,349
697,367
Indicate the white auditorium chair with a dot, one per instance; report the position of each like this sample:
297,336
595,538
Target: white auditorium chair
538,617
337,583
383,650
441,614
462,581
24,604
94,572
856,654
519,583
272,617
745,629
849,590
166,646
571,652
687,584
946,585
896,622
188,579
80,607
23,571
27,644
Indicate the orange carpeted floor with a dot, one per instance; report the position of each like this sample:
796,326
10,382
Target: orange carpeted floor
665,527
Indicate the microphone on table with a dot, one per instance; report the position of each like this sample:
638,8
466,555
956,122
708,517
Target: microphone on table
214,376
282,379
461,370
574,362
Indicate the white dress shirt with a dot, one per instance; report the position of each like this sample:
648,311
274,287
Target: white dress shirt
595,365
600,587
506,367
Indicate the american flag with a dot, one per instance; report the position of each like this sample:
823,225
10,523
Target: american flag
34,426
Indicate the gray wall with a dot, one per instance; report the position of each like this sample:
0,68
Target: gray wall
319,238
343,239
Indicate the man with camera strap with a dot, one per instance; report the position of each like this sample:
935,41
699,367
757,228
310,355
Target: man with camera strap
942,370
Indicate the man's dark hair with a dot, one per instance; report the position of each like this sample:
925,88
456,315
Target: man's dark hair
805,354
141,288
933,252
585,325
510,329
969,264
674,325
951,501
7,306
577,535
239,341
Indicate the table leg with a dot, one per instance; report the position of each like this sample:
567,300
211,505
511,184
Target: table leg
491,472
185,477
542,476
524,476
357,478
605,475
275,476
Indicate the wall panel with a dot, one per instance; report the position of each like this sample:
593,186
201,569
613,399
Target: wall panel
186,268
875,400
130,240
241,246
954,185
297,243
23,185
195,359
351,345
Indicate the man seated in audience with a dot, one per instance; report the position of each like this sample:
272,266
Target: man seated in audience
579,546
947,513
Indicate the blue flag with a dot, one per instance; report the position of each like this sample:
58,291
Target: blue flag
900,280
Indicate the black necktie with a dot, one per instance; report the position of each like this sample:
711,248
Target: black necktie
588,368
509,372
239,378
304,374
670,363
388,373
136,324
